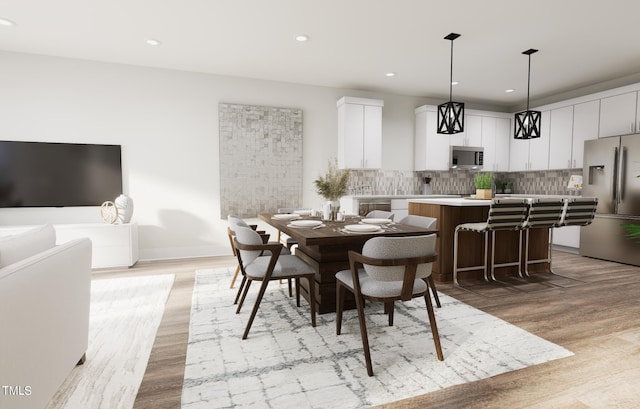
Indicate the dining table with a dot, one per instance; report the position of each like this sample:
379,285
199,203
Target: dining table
325,246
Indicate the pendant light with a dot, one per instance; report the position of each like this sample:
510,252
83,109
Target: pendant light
527,124
451,114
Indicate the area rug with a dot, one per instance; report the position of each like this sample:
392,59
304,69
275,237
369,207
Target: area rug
123,321
285,363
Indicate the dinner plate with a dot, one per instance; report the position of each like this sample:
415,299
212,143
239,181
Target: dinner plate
285,216
305,223
360,228
303,212
373,220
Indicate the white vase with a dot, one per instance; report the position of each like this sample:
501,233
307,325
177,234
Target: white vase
125,208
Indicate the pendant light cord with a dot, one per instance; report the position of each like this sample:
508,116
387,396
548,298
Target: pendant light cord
528,82
451,75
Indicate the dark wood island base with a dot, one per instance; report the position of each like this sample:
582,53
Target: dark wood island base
452,212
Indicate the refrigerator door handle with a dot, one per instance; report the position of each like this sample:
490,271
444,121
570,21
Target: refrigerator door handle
620,176
615,182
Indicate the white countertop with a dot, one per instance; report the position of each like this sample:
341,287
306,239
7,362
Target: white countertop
453,201
363,197
461,201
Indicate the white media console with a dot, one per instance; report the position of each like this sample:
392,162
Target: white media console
114,245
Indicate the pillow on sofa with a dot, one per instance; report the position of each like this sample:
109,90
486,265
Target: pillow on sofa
20,246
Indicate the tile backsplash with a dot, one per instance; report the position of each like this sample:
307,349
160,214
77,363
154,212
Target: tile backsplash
387,182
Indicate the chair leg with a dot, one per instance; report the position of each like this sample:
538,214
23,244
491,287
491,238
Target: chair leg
244,295
312,298
432,285
485,271
455,258
235,275
339,306
363,334
290,292
254,311
242,283
388,309
297,292
434,327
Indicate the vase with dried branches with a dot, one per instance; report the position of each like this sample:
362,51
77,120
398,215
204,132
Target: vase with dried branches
332,186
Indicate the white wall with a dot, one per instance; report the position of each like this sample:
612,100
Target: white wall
167,124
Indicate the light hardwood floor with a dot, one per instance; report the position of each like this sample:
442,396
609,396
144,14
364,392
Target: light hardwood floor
599,321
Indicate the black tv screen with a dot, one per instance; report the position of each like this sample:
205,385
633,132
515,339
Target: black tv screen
43,174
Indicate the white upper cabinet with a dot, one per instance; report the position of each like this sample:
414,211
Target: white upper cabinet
560,137
618,115
585,127
495,140
531,154
359,133
472,135
431,149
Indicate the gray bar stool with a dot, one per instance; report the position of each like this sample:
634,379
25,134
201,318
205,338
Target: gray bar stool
543,214
504,214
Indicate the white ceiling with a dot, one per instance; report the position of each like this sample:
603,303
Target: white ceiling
353,43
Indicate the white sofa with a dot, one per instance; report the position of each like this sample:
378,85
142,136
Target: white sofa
44,314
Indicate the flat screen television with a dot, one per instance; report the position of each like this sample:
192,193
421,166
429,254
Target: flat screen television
43,174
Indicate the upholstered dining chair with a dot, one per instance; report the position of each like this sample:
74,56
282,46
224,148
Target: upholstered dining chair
393,269
380,214
236,222
427,223
258,267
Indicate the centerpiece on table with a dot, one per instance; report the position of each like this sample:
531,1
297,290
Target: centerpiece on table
484,185
332,186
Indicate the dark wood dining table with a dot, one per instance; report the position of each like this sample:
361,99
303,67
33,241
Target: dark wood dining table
326,250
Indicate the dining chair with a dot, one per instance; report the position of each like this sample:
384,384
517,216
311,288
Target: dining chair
236,222
286,240
389,269
504,214
427,223
256,266
380,214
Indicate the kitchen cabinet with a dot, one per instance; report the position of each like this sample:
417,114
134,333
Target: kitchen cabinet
495,141
531,154
560,137
431,149
472,135
399,208
359,133
568,236
618,115
585,127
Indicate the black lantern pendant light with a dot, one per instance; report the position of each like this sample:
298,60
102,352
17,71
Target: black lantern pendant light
451,114
527,124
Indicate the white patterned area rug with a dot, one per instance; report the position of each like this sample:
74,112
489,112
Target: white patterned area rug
285,363
123,321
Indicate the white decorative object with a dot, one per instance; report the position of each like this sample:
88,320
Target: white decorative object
125,208
109,212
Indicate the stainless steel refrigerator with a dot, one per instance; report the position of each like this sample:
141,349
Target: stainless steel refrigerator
611,173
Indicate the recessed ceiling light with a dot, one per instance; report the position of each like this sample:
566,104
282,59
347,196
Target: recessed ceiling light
509,90
390,74
302,38
6,23
454,83
153,42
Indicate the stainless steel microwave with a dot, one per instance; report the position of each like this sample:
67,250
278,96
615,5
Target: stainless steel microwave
466,157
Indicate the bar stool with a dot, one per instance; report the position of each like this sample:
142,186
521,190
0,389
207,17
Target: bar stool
576,211
543,214
504,214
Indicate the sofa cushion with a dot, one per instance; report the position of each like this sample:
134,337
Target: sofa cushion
26,244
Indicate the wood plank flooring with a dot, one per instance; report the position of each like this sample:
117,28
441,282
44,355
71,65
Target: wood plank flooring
599,321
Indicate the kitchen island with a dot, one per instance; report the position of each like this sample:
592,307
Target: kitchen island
451,212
